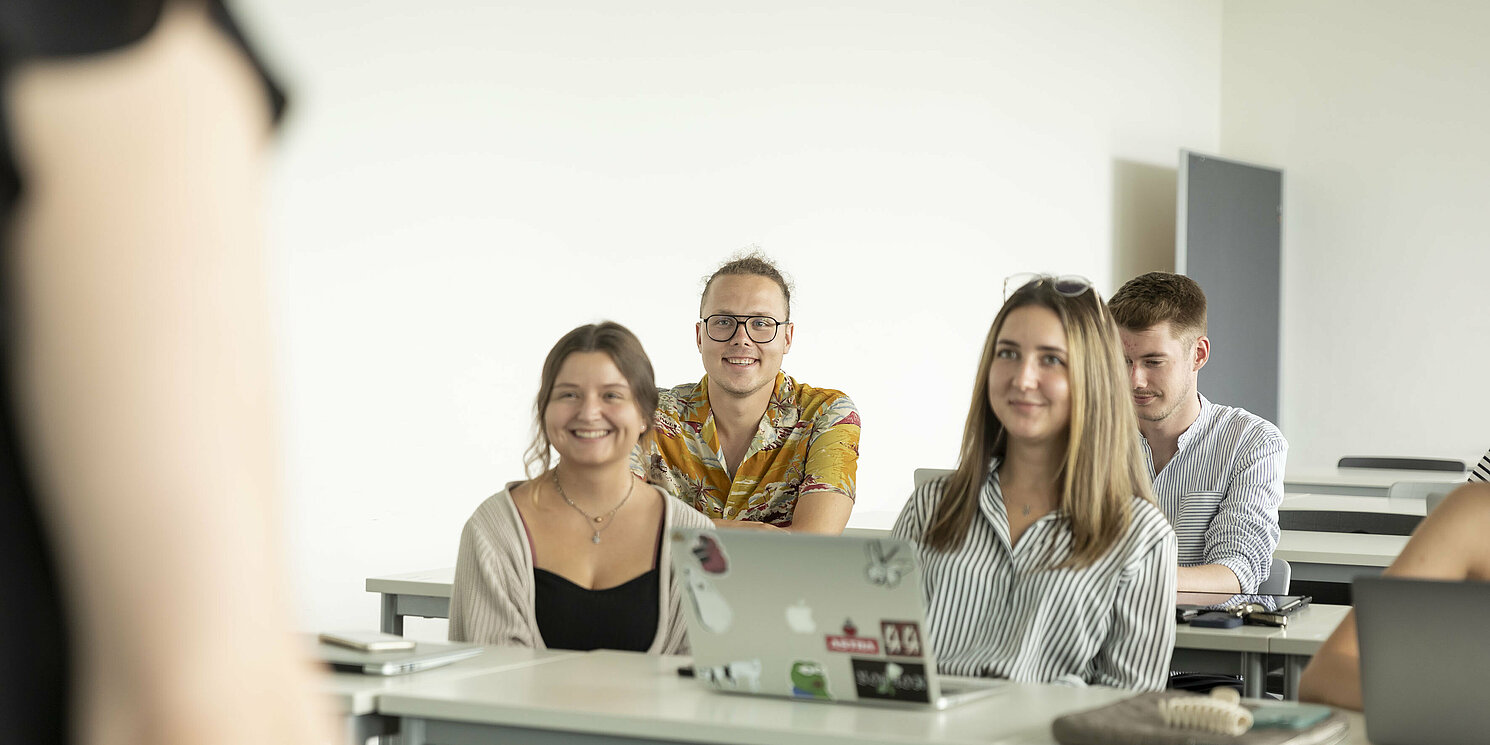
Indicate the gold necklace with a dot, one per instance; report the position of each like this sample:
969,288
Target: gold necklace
594,519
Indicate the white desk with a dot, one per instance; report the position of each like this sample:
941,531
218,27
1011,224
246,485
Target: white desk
356,696
1365,482
1351,514
619,697
1314,556
1244,650
1240,651
425,593
1355,503
1337,557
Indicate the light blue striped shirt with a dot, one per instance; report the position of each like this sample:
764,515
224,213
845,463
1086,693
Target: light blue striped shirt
1222,489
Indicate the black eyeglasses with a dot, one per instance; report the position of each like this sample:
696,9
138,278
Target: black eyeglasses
760,329
1070,285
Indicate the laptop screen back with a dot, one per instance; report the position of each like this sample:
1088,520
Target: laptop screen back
825,618
1425,651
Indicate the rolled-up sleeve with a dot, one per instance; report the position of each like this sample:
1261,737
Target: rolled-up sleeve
1244,533
833,450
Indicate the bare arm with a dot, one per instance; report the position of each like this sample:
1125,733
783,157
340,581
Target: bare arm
1207,578
1448,545
143,363
824,512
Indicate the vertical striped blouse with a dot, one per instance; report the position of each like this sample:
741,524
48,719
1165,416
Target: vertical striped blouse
1481,472
997,610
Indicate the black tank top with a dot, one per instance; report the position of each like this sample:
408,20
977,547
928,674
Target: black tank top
622,617
35,691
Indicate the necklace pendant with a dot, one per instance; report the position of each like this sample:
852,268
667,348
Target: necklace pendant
597,519
1026,509
595,538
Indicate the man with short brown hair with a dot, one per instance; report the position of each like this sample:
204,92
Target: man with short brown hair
748,445
1218,470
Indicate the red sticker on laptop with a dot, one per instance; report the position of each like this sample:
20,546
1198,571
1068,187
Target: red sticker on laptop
902,638
853,644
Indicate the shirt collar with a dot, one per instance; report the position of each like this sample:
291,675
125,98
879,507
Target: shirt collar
780,410
1202,422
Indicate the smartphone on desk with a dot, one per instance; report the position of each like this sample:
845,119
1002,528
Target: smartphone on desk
367,641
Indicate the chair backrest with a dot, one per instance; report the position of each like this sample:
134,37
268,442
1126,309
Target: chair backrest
1342,521
1420,489
924,475
1403,464
1279,577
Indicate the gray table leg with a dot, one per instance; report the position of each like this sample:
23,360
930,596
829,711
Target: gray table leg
393,623
1254,674
1293,667
360,728
412,730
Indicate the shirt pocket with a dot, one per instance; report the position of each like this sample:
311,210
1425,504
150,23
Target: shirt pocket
1192,520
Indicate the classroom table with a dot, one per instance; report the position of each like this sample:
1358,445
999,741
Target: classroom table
1245,650
1240,651
1313,556
1351,514
1301,639
355,696
621,697
1337,557
424,593
1363,482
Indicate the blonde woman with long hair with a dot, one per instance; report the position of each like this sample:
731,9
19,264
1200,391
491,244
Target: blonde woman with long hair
1045,557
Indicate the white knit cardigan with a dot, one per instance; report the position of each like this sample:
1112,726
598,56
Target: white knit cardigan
492,600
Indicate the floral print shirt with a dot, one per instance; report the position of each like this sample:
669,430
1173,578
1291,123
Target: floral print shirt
807,441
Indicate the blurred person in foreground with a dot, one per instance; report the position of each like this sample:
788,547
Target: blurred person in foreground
142,577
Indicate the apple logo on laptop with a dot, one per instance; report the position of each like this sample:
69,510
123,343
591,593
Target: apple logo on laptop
799,618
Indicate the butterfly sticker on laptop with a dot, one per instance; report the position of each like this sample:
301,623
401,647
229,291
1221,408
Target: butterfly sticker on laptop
887,565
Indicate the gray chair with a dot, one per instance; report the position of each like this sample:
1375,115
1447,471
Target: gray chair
1340,521
1403,464
1278,579
924,475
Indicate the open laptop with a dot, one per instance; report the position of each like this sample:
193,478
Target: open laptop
422,657
823,618
1424,658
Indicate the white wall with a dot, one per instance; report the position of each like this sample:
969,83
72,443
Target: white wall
460,183
1378,112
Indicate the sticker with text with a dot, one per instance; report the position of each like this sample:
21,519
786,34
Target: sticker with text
850,642
902,638
891,680
853,644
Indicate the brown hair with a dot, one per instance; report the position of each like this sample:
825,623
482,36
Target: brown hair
623,348
1151,299
1103,467
751,263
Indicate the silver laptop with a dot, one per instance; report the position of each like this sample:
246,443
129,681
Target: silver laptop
423,656
1424,655
835,619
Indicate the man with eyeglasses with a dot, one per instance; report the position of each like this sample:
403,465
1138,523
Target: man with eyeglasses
748,445
1218,470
